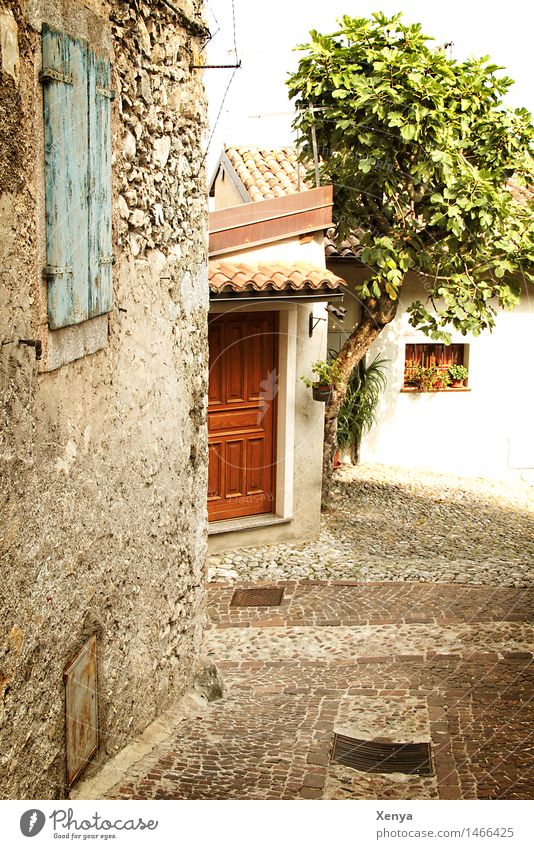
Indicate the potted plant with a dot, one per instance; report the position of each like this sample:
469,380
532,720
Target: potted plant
410,372
430,378
458,375
326,375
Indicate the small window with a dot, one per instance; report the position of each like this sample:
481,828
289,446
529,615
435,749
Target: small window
77,98
431,367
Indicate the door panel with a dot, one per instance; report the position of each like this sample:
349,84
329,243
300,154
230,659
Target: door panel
255,465
238,419
215,471
234,464
235,362
241,414
215,391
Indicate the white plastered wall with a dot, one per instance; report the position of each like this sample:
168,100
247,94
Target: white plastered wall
486,432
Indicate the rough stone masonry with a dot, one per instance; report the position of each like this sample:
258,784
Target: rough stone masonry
103,447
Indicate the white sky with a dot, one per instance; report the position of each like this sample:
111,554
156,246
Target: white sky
266,31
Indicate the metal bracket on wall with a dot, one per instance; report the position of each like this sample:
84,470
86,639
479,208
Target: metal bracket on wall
211,67
33,343
57,270
313,322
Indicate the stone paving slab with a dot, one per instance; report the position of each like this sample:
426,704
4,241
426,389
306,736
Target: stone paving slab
288,688
331,642
354,603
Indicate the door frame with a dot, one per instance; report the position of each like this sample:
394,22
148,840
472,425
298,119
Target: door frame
284,407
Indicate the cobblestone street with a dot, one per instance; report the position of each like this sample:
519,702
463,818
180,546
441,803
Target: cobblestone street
393,662
390,524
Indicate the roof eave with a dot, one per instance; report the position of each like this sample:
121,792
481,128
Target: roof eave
285,296
260,222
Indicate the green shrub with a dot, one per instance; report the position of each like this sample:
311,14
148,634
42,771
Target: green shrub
357,414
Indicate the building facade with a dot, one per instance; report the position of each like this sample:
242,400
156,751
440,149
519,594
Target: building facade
103,377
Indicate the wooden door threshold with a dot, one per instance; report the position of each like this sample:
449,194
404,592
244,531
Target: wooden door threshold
243,523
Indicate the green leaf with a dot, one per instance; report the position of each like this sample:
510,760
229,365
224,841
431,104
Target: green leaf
396,119
408,132
392,292
365,165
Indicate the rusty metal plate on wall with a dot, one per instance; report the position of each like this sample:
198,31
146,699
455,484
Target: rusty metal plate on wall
368,756
81,710
258,597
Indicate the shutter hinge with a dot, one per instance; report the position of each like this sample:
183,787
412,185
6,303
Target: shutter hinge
48,74
57,270
110,93
107,260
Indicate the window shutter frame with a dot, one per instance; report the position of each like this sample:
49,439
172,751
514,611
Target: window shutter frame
78,181
66,168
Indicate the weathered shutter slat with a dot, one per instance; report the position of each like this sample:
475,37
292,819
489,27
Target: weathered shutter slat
65,132
100,241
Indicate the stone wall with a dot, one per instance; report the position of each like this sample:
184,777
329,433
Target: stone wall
103,455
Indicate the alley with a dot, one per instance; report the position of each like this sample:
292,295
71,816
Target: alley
388,662
409,620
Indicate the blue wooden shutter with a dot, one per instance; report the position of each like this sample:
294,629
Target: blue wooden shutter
66,170
100,244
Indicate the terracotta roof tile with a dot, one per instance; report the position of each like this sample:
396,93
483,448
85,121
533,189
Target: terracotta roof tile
240,277
267,174
522,194
350,247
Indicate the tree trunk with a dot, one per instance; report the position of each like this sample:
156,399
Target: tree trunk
378,313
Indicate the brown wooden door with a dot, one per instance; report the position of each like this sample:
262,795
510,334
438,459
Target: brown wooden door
241,414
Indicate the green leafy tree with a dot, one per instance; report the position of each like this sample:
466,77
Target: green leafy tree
426,158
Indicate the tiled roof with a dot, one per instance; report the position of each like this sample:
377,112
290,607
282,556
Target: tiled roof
350,247
272,173
240,277
267,174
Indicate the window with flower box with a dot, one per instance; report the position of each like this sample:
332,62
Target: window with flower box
430,367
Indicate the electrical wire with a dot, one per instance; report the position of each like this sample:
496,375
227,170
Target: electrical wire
234,27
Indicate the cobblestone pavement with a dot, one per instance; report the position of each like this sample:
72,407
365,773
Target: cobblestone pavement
389,524
394,662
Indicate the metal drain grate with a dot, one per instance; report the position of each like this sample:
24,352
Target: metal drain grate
258,597
367,756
